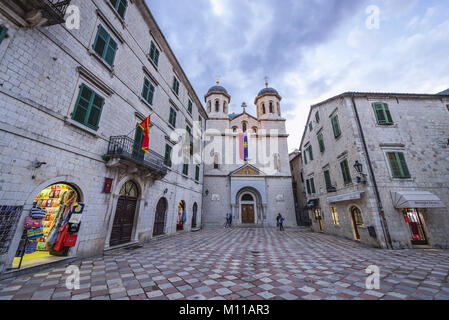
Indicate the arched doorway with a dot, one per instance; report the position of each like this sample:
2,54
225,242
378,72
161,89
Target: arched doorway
124,214
159,220
194,216
52,226
182,216
248,208
357,220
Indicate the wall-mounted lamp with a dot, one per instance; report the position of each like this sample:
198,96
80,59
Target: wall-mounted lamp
207,192
359,168
165,191
38,164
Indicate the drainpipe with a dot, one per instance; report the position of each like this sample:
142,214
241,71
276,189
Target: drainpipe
383,221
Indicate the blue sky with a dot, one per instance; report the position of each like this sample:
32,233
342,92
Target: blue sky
311,50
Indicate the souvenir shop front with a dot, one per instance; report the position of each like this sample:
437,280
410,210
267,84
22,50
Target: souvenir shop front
182,216
51,228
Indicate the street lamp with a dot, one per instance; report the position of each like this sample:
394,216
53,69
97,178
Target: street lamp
358,167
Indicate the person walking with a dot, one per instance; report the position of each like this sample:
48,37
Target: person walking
230,220
281,223
277,220
226,225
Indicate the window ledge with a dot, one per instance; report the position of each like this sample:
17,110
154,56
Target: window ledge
73,123
185,176
102,62
145,102
394,125
403,180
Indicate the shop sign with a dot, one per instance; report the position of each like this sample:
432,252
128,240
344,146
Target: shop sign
77,213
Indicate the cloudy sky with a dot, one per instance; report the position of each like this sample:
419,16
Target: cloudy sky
311,50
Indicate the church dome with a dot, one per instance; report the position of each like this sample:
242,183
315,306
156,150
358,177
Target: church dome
268,90
217,89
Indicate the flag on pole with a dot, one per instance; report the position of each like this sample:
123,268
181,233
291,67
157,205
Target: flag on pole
145,125
243,137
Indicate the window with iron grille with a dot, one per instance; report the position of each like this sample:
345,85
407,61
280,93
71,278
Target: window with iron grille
105,46
88,108
9,218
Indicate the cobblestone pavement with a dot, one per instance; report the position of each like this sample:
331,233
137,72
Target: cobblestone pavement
252,264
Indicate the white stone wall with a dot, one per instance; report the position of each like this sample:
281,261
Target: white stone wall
39,85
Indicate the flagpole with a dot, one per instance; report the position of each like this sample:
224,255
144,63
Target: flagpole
136,127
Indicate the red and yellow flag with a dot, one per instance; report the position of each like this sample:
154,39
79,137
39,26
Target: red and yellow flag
145,125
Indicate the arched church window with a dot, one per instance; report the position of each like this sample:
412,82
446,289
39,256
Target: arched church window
245,126
234,129
247,197
271,107
264,110
279,109
209,107
217,106
255,129
225,107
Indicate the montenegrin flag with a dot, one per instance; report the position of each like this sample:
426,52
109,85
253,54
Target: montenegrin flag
243,140
145,125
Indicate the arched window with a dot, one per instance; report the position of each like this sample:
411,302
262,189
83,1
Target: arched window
271,107
247,197
264,110
209,107
234,129
255,129
244,126
357,216
217,106
279,109
129,189
225,107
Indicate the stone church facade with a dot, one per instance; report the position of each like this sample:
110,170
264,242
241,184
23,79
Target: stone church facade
254,191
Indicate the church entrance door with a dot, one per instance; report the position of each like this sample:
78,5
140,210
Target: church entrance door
248,214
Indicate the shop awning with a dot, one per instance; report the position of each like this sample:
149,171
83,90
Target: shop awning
416,199
346,197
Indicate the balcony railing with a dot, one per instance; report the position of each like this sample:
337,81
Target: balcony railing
128,149
38,12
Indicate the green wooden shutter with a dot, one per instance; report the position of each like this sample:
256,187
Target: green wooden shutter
197,173
121,8
95,112
82,104
110,52
383,114
321,142
310,126
345,171
394,164
168,151
305,156
190,108
317,117
312,185
336,126
146,89
154,53
3,32
327,178
101,41
388,114
138,140
404,167
185,169
310,153
308,187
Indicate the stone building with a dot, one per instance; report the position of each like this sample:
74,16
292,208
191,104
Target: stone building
71,100
376,168
299,190
256,188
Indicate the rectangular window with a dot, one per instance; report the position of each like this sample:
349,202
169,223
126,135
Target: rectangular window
345,171
336,126
185,169
88,108
312,185
447,106
309,149
172,119
176,85
197,173
3,31
168,152
309,191
305,156
383,115
200,120
105,46
398,165
327,179
321,142
190,107
154,53
120,6
317,117
310,126
335,216
148,91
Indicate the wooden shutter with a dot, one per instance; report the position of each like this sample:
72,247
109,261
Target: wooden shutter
110,51
121,8
82,105
403,164
197,173
3,31
95,112
168,150
310,153
101,41
308,187
394,164
336,126
345,171
321,142
327,178
312,185
388,114
317,117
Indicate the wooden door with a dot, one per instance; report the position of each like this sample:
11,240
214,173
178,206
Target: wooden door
194,216
124,221
354,223
159,221
248,215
